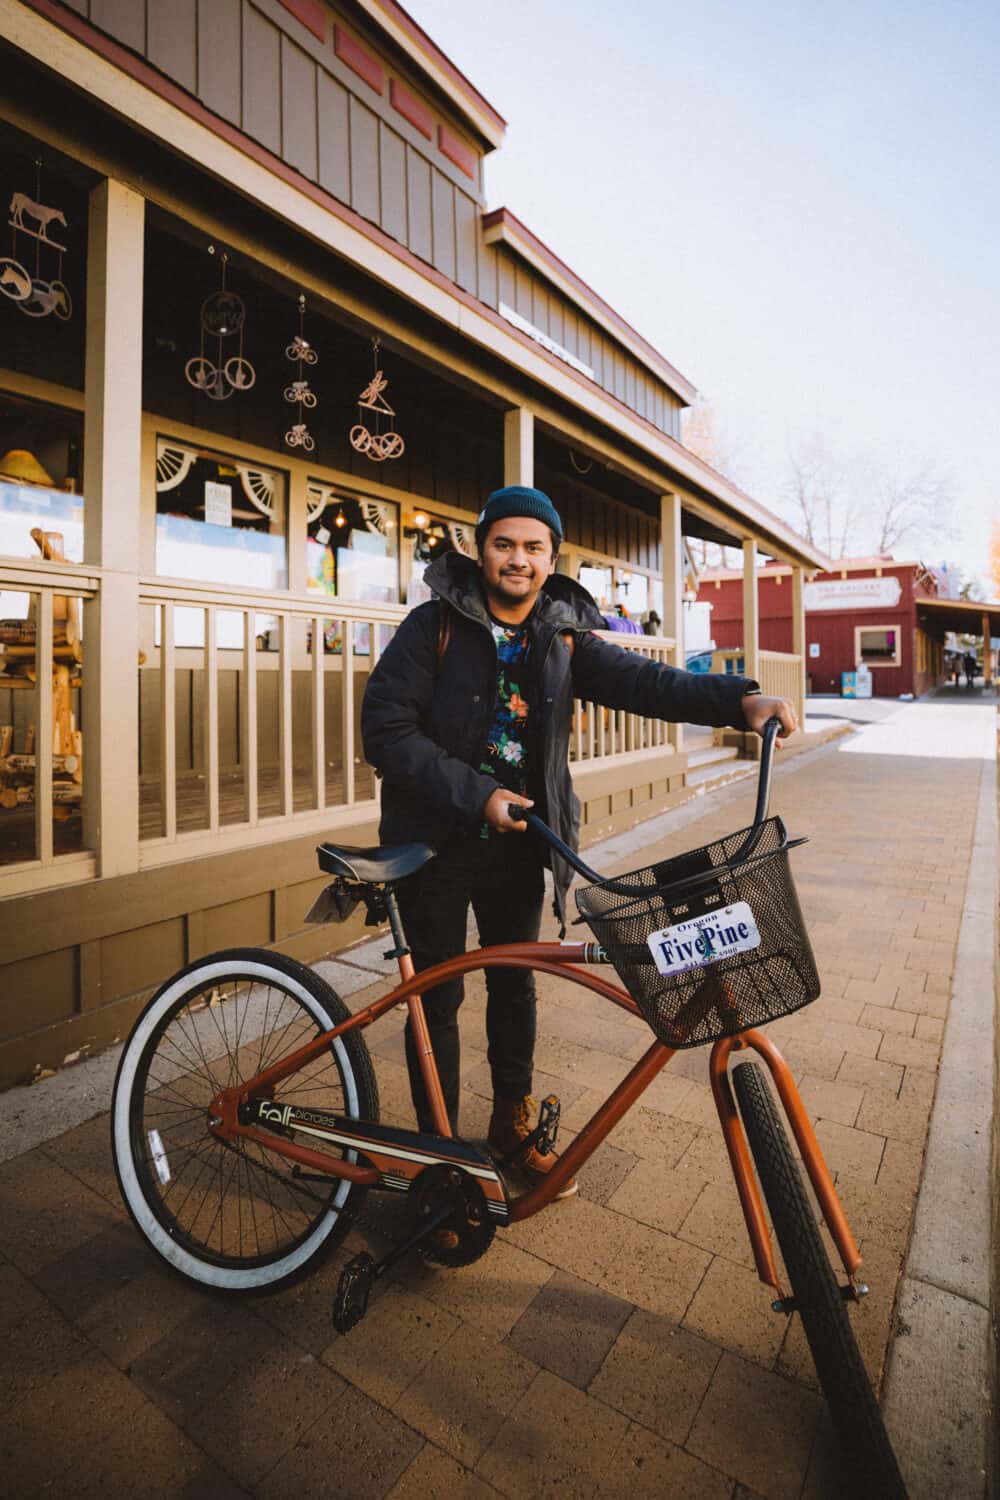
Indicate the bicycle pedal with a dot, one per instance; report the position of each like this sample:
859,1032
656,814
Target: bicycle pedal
542,1138
549,1112
353,1291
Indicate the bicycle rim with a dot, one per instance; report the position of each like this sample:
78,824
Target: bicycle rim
825,1320
232,1214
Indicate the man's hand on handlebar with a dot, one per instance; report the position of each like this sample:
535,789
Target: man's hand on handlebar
757,710
496,814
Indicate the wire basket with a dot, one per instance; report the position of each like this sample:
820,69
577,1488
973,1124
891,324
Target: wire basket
709,943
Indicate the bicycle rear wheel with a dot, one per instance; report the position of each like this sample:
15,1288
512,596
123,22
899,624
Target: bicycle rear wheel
842,1374
229,1214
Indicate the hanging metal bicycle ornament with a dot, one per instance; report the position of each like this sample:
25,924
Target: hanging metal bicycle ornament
299,392
223,315
29,291
385,442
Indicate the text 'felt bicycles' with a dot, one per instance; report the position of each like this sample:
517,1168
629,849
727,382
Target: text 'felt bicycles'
245,1119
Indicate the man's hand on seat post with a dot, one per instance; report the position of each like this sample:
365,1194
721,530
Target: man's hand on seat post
757,710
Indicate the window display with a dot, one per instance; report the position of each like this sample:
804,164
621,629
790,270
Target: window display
218,521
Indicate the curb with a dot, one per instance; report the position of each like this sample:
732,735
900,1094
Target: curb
938,1392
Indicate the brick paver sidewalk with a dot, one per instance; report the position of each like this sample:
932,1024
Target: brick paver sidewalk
619,1344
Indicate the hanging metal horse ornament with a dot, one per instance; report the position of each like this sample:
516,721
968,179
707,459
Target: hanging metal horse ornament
32,294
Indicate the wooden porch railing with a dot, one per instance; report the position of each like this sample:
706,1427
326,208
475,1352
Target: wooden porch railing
246,733
41,747
611,734
244,724
779,672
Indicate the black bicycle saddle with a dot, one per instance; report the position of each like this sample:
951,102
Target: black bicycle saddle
374,866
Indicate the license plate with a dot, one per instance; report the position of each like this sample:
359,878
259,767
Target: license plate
704,940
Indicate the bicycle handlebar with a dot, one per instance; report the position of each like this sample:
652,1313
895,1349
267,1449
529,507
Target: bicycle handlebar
519,814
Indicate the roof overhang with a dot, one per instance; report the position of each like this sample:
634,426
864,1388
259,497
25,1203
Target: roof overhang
500,226
62,41
393,20
963,615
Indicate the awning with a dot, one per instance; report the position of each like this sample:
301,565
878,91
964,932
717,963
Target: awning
963,615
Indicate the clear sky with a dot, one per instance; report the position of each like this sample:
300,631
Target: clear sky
798,203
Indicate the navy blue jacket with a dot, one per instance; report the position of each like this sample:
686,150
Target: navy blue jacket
425,719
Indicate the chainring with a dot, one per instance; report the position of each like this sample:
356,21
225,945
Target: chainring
469,1223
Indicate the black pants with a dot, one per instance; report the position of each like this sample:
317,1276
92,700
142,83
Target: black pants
502,878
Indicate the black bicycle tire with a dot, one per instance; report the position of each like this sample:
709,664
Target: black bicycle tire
198,1262
825,1321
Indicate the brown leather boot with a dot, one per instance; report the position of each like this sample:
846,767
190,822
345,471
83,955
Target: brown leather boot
511,1122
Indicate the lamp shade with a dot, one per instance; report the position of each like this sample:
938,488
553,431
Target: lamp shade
23,467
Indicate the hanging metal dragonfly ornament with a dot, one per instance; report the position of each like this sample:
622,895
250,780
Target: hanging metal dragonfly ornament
384,442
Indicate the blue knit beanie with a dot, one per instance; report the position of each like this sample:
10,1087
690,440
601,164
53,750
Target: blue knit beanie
517,500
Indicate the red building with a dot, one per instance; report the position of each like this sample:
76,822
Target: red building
870,609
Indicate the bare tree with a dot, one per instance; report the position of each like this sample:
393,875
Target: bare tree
705,433
818,495
912,499
850,506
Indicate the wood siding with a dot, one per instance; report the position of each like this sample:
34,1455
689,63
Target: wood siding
261,69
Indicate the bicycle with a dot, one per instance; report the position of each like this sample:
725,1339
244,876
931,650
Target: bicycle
245,1122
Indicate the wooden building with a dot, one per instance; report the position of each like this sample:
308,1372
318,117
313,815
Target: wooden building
189,504
888,615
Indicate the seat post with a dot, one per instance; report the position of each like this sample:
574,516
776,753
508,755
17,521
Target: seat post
418,1021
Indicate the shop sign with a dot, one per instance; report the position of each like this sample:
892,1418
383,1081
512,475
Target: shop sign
853,593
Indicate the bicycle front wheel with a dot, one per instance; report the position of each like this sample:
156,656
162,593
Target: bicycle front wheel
825,1322
229,1214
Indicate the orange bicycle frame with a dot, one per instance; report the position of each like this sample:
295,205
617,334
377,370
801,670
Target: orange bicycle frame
562,960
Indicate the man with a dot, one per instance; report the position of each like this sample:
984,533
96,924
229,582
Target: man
468,711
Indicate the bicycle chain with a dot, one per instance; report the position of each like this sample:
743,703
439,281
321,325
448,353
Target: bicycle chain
352,1218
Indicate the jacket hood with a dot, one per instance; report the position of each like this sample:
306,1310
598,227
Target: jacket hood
563,603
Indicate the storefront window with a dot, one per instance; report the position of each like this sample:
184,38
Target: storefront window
219,520
597,580
427,537
632,593
40,467
352,549
878,646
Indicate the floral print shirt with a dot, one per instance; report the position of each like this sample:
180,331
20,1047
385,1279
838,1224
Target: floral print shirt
506,756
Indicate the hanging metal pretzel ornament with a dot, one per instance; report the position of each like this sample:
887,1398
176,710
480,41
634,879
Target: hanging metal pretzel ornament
298,393
382,443
222,317
30,292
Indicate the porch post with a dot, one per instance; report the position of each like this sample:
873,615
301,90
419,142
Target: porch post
751,612
799,640
751,622
111,488
519,446
987,652
672,550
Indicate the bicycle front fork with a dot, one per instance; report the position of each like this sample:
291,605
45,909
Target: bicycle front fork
742,1162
